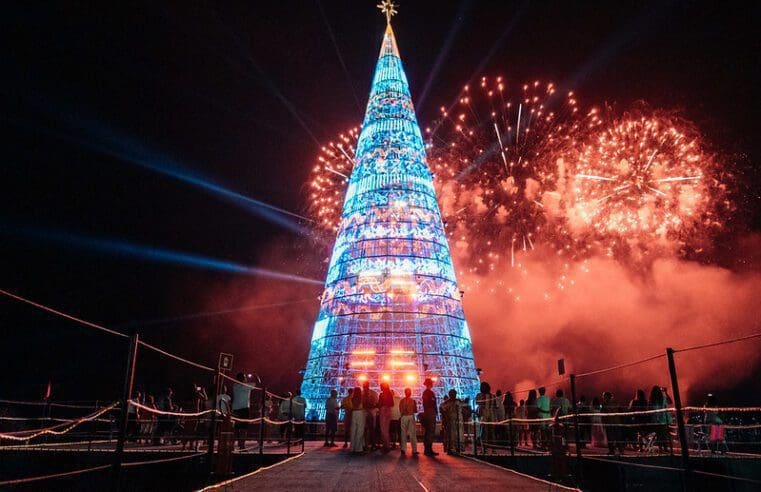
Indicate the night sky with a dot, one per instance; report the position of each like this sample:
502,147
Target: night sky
243,94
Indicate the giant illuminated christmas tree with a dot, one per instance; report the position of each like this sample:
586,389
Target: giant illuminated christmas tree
391,310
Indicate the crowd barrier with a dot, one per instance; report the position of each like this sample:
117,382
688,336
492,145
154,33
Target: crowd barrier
574,426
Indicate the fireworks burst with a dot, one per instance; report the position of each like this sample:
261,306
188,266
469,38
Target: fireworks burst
330,176
522,168
492,157
643,185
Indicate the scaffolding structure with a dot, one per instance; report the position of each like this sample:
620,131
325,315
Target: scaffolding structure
391,310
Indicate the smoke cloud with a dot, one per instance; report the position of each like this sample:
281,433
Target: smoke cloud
607,315
522,321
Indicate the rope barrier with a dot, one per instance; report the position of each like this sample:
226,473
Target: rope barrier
103,328
246,421
219,485
669,468
177,357
43,403
545,385
621,366
163,460
722,409
723,342
66,405
250,386
52,430
161,321
55,475
741,479
175,414
67,316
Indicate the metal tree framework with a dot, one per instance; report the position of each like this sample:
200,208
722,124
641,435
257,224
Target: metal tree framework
391,310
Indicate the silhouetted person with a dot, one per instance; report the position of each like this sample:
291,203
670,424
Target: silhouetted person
370,406
385,407
165,422
407,410
659,400
638,430
614,432
560,403
241,408
428,418
346,407
331,418
532,413
357,422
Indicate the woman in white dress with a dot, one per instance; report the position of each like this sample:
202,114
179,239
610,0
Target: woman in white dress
357,422
599,438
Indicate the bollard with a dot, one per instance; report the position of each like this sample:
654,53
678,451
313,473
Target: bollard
129,377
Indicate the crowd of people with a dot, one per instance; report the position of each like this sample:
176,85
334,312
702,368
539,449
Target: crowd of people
378,420
242,403
381,420
600,424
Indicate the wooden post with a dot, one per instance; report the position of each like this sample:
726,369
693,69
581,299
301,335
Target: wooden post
129,378
577,432
262,423
213,421
475,434
289,429
679,416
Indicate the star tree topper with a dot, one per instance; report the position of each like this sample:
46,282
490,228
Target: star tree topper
388,8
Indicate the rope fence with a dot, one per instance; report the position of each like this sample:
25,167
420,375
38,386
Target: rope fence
641,428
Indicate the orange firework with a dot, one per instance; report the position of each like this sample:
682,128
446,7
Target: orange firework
330,176
644,183
492,153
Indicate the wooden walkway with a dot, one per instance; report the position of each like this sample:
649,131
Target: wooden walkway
336,469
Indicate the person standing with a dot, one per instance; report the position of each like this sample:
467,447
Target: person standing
486,411
407,411
299,414
560,403
613,430
543,412
509,405
523,430
429,418
452,414
585,423
357,422
346,407
532,413
284,415
241,408
660,400
598,436
165,422
331,419
499,416
385,406
370,406
396,426
638,422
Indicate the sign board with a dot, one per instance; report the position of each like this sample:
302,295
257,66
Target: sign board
561,366
225,361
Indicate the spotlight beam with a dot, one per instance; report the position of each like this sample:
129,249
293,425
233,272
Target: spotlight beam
119,247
